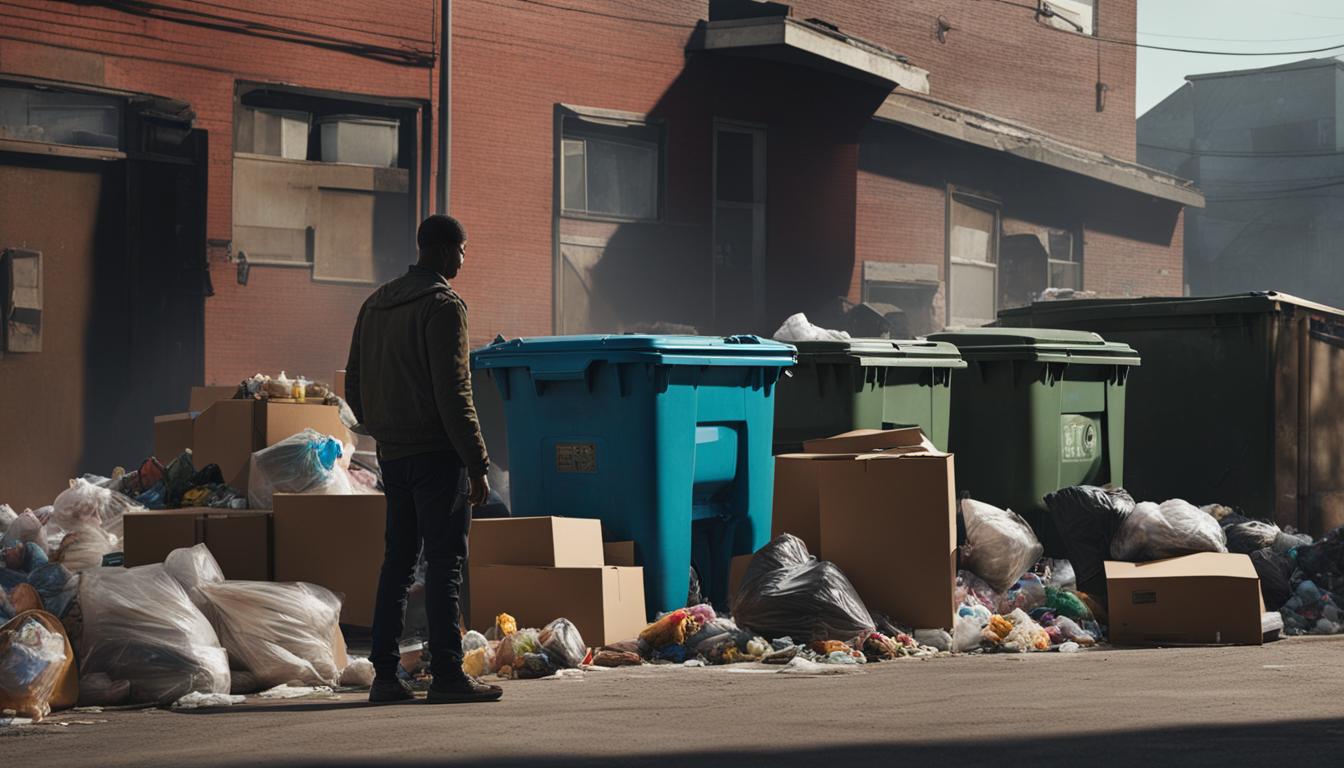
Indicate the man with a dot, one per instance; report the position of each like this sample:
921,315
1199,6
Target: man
408,382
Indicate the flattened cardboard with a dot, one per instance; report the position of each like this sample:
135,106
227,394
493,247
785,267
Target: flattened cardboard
797,502
868,440
239,539
560,542
227,432
333,541
204,397
889,522
172,435
1203,599
606,604
620,553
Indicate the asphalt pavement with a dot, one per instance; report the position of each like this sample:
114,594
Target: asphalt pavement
1279,704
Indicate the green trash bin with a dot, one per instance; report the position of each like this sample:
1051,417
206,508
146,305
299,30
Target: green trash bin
838,386
1037,410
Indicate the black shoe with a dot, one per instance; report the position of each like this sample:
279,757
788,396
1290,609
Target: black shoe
389,691
462,690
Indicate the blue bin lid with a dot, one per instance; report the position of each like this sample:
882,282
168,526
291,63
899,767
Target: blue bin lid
558,354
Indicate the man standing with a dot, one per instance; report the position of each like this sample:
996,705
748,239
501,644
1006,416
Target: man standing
408,382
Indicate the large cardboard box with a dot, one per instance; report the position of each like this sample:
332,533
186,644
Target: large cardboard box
565,542
239,539
605,603
229,431
888,520
1205,599
204,397
334,541
797,503
172,435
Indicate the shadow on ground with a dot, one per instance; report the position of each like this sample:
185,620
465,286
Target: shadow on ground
1299,743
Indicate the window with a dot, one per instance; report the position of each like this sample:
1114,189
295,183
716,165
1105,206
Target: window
610,168
323,182
1034,259
1066,260
60,117
1073,15
972,256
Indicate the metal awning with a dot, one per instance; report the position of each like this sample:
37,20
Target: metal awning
995,133
807,43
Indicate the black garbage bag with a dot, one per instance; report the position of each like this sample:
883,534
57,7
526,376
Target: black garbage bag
1250,536
786,592
1323,561
1276,576
1087,518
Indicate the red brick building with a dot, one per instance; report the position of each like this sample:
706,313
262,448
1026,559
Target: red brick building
619,164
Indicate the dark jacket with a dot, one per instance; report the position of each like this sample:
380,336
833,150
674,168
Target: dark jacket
408,379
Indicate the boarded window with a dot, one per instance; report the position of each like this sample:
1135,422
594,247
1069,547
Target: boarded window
973,249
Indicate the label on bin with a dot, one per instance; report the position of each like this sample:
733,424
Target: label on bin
1078,439
576,457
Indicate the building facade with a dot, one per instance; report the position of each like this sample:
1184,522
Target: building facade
620,166
1267,147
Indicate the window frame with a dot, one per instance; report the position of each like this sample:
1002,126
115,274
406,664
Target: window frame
984,202
615,119
1075,259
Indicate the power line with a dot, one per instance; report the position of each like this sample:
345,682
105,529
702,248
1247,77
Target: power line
1334,36
1249,154
1044,11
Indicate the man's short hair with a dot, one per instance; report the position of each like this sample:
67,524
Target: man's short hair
440,230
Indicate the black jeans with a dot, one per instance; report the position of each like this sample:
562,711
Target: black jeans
426,502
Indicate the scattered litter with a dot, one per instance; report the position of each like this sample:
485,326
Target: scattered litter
7,721
198,700
801,666
693,663
566,674
1070,647
296,692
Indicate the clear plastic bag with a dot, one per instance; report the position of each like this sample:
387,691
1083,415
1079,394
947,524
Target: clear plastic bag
562,641
304,463
57,587
787,591
139,625
278,632
192,567
7,516
25,528
84,504
513,647
357,674
34,657
1000,545
1170,529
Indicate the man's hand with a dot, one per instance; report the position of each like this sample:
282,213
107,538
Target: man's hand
480,491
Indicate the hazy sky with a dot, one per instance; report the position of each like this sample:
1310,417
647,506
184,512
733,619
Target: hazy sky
1227,25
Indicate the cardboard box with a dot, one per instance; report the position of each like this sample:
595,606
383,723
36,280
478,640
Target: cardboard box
606,603
1204,599
228,432
172,435
619,553
239,539
338,384
204,397
563,542
334,541
797,506
888,520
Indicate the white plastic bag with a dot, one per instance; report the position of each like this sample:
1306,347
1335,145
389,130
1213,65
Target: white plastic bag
278,632
192,567
798,328
1000,545
85,504
84,548
7,515
308,462
139,625
357,674
1171,529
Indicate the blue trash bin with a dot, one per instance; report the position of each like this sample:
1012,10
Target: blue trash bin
665,439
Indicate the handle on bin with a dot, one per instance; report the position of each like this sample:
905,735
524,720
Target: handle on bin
569,371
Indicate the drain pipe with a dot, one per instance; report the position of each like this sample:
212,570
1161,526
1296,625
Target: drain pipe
445,104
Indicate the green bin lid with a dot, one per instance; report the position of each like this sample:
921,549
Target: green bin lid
1040,344
913,353
569,354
